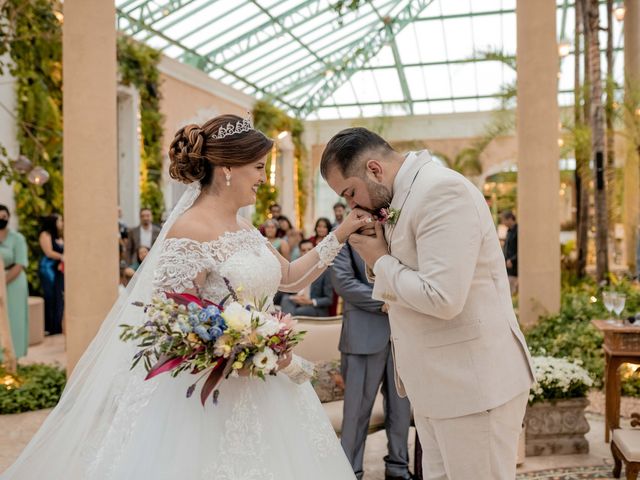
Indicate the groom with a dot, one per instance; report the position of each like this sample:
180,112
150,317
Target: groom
460,355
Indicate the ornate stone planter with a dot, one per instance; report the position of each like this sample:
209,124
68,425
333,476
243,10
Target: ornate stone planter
556,427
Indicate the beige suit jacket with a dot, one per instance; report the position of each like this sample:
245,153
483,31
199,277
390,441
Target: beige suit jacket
457,343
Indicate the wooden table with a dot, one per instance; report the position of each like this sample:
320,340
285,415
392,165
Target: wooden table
621,345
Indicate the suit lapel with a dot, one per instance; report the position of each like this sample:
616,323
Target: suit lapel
402,185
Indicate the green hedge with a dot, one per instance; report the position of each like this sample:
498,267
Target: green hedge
40,387
570,333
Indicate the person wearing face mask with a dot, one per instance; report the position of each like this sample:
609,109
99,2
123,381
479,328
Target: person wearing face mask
13,248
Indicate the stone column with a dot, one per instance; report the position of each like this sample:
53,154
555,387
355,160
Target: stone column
287,177
90,170
538,154
631,182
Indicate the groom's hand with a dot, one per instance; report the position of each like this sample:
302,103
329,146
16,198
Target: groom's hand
370,248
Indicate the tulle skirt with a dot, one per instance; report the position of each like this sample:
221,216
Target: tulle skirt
259,430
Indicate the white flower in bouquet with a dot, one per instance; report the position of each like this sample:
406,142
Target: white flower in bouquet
265,360
268,326
237,317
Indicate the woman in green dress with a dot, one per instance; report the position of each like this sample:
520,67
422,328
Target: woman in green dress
13,248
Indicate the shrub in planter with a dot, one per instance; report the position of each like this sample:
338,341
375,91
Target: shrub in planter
555,422
38,386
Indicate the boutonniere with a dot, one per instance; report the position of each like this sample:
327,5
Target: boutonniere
389,216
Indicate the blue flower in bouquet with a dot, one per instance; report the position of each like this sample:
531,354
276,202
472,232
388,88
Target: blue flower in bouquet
184,327
202,332
193,307
216,331
194,319
209,314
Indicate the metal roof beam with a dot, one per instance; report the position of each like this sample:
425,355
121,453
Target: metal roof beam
197,55
248,37
160,13
400,69
368,49
329,56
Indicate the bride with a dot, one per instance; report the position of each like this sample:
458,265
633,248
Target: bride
111,424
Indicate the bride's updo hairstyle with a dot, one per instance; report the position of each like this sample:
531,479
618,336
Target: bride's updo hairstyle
194,151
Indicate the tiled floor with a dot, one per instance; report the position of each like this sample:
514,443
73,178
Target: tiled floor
16,430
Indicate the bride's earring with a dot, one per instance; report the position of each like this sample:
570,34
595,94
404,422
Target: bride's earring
228,177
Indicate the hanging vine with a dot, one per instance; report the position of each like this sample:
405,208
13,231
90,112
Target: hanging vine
271,121
138,66
31,41
31,37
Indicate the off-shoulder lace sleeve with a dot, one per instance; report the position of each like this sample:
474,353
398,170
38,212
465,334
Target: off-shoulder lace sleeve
181,262
302,272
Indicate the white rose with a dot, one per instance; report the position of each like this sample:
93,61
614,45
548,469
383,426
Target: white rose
268,326
237,317
265,360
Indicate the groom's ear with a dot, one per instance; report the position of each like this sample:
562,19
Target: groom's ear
374,169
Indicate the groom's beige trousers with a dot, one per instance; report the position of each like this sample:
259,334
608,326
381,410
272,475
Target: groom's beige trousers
482,446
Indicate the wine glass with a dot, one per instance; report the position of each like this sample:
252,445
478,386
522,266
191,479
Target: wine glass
619,301
607,299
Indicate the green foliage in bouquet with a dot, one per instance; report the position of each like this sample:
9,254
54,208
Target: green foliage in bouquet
39,386
31,36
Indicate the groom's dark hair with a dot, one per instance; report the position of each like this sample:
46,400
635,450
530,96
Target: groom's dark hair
345,150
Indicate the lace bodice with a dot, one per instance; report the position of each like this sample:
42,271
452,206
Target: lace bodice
243,257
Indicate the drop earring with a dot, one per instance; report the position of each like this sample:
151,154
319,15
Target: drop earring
228,176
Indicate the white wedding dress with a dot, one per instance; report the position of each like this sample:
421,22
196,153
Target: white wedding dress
128,428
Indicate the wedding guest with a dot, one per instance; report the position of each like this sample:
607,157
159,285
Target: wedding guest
508,219
313,301
141,253
271,232
13,249
294,237
367,366
123,234
339,211
144,235
51,272
126,274
321,230
275,210
284,225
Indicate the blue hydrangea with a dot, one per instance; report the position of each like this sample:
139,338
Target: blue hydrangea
202,332
215,332
193,307
194,320
185,327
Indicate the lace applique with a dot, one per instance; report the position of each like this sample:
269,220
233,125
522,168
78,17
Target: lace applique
316,425
181,260
328,249
242,449
241,256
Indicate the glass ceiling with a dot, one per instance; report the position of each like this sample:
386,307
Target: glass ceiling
390,57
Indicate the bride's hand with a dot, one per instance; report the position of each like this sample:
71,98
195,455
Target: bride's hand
356,220
285,361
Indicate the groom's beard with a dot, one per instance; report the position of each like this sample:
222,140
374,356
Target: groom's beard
380,196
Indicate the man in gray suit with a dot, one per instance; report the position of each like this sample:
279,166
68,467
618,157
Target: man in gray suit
144,235
313,301
366,363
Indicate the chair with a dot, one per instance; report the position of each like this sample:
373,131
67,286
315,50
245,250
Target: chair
625,448
321,344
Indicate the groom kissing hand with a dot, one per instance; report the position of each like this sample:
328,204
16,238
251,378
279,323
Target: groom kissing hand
370,245
459,353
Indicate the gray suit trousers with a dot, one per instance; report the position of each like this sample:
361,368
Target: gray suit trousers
363,375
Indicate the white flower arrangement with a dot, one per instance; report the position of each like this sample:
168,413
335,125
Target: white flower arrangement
558,378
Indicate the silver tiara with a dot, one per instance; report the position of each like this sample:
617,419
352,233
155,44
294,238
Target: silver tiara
241,126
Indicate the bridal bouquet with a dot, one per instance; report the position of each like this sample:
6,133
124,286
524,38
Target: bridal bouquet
183,333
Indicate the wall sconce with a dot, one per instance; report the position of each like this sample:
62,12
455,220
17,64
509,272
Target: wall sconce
619,11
